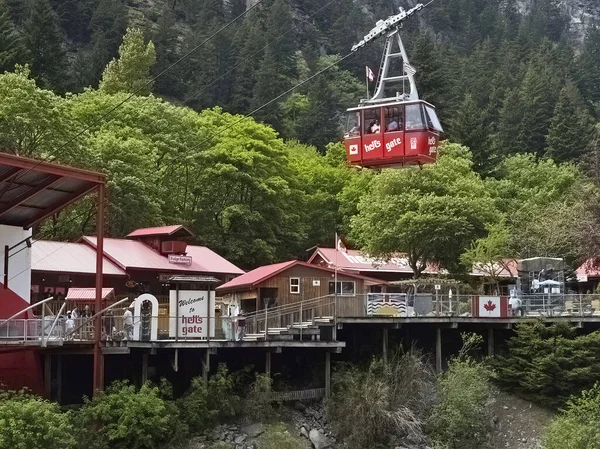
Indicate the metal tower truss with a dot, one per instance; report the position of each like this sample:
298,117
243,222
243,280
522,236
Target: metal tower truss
405,75
391,27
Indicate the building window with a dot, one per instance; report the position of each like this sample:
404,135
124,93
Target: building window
344,288
294,285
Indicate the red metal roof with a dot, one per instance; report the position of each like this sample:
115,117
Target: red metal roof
64,257
260,274
353,260
588,269
160,230
129,254
31,190
88,294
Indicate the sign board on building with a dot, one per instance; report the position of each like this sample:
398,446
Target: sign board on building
190,313
438,287
316,283
183,260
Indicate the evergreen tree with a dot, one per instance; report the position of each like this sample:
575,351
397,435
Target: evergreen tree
469,127
269,84
571,128
165,41
19,10
12,50
131,72
587,67
75,17
248,45
44,41
537,95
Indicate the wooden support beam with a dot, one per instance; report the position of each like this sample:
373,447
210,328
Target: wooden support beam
206,366
327,375
438,350
48,376
144,367
385,346
59,370
491,342
268,364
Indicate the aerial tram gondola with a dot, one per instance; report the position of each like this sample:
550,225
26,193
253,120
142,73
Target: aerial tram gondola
393,128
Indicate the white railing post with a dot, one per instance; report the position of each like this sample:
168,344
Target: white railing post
266,322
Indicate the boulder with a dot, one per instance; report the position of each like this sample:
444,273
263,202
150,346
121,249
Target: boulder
318,439
304,433
253,430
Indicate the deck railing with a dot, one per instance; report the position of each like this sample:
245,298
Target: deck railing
301,316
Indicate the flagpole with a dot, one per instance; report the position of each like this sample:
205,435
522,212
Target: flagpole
335,295
367,83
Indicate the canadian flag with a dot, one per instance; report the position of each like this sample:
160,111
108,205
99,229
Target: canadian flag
340,245
370,74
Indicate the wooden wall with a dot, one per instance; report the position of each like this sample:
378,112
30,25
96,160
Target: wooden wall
308,289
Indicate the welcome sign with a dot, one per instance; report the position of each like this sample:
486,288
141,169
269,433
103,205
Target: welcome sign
189,313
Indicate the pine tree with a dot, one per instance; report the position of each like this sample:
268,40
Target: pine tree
44,41
469,127
12,50
131,72
571,128
269,84
587,67
248,43
166,43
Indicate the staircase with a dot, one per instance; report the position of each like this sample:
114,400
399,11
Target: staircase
310,320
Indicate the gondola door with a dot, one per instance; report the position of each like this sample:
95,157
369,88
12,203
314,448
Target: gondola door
372,140
394,133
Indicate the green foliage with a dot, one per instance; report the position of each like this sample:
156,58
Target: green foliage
30,422
127,419
549,363
204,406
577,425
490,253
375,406
35,122
12,50
431,214
131,72
258,405
277,436
460,418
44,41
571,127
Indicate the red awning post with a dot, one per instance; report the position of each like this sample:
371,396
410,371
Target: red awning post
98,356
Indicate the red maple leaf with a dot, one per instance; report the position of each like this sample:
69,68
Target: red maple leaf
489,306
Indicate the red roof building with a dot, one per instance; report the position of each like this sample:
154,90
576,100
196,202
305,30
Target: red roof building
294,281
395,269
143,262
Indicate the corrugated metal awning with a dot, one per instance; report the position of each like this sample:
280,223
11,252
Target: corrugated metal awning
89,294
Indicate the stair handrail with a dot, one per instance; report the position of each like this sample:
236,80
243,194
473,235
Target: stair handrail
295,305
93,317
44,344
25,310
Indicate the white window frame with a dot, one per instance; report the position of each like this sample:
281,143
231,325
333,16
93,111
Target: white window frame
341,292
292,286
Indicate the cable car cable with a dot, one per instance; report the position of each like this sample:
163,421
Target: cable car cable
289,30
130,96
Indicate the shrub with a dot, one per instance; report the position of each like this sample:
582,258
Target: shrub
204,406
277,436
548,364
30,422
376,406
577,426
125,418
459,418
258,405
